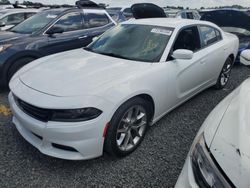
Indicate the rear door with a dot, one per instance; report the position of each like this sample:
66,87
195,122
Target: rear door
73,36
213,52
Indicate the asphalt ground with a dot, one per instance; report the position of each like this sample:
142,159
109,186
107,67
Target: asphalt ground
156,163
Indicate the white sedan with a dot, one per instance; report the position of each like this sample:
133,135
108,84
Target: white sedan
77,104
219,156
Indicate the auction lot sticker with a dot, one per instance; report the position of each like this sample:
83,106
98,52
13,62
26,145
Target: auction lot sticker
161,31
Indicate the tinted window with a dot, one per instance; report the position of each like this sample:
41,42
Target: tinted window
196,15
209,35
95,20
218,34
190,15
188,39
183,15
70,22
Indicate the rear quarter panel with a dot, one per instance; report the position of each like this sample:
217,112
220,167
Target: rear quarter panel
231,45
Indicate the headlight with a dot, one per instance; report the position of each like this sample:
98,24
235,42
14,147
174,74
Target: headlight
4,47
206,171
76,115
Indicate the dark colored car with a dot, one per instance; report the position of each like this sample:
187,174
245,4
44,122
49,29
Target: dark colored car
49,32
232,21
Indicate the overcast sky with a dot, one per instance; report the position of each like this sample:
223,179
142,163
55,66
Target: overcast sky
185,3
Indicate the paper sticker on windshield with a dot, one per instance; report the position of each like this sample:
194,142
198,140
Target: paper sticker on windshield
51,16
161,31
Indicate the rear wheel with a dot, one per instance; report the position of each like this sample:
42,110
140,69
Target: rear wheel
225,74
127,128
16,66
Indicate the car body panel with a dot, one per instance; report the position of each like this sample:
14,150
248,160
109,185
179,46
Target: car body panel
230,144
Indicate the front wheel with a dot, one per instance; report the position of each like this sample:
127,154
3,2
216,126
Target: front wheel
127,128
225,74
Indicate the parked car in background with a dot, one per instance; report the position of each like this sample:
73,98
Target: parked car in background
11,17
219,156
6,7
48,32
126,11
117,15
232,21
185,14
76,104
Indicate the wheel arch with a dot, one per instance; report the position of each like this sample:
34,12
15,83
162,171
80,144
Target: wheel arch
20,55
231,56
143,95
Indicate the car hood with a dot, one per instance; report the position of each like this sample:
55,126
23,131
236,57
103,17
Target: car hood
6,36
217,17
78,72
231,144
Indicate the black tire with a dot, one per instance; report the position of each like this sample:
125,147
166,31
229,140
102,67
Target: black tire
111,144
224,75
16,66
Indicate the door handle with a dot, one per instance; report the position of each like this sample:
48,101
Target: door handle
82,37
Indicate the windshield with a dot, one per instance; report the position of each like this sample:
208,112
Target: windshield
134,42
36,22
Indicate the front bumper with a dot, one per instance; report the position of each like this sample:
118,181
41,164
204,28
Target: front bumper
186,178
72,141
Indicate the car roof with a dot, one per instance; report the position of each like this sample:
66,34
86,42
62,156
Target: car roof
90,9
16,10
168,22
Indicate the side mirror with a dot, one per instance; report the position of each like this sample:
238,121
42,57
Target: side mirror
245,57
2,24
54,30
183,54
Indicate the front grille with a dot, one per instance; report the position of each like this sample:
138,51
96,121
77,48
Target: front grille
33,111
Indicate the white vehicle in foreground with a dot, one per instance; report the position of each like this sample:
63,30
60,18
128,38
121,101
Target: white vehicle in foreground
219,156
77,104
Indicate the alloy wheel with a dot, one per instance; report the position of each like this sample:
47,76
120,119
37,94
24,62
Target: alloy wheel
226,71
131,128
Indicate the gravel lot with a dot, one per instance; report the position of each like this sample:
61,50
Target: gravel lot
157,163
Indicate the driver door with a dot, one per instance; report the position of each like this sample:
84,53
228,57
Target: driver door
189,74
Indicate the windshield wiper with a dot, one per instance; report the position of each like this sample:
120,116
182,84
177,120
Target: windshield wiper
88,49
114,55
